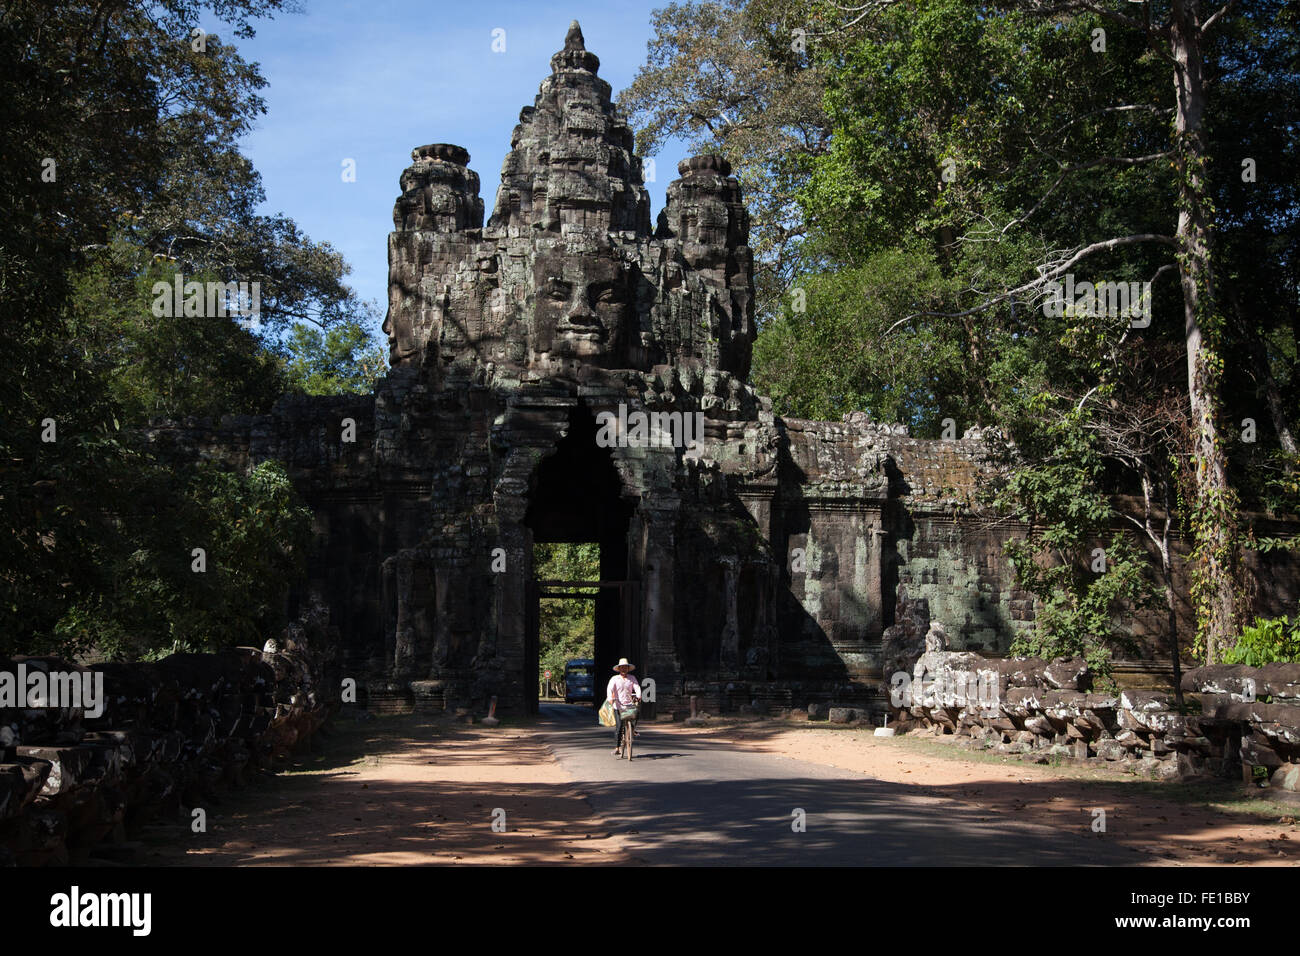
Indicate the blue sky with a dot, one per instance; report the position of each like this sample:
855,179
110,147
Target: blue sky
371,79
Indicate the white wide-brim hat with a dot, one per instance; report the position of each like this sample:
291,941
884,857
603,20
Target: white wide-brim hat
623,662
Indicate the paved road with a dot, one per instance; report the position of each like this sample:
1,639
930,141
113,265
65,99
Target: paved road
696,800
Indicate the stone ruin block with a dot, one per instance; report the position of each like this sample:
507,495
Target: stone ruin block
170,733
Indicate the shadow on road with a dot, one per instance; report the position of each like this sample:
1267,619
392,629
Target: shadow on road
733,803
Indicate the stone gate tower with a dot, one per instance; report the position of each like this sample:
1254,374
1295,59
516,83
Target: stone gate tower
508,342
566,372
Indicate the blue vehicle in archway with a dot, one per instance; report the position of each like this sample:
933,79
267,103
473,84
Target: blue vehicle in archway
579,680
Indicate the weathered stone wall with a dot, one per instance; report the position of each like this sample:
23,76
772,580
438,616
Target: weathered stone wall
170,735
962,570
921,499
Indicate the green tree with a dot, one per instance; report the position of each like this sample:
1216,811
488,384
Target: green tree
344,358
1181,37
735,77
169,366
933,138
1013,144
810,360
158,592
1251,132
567,626
122,170
1083,572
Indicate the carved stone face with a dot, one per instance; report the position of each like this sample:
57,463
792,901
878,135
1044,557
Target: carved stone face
401,336
583,308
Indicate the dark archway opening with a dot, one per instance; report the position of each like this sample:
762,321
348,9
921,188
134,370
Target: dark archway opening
576,499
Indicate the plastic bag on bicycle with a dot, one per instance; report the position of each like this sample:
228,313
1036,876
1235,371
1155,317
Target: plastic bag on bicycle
606,715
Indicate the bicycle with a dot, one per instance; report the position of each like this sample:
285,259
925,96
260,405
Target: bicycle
626,732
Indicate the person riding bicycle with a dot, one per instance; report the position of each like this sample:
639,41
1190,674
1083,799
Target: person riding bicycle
624,694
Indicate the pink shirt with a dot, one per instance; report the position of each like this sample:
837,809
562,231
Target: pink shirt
623,691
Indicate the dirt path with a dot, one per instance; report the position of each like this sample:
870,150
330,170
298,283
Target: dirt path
1165,824
403,790
398,791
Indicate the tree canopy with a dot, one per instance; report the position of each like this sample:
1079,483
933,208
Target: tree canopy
944,169
121,127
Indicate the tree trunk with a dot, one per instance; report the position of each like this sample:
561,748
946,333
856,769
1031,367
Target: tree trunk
1161,541
1214,515
1167,572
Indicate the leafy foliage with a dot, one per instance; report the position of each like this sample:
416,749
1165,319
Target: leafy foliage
1080,592
810,361
728,76
253,530
567,626
123,169
1266,641
168,366
345,358
956,153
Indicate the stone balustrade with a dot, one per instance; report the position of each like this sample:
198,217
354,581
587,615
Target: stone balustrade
1248,717
163,738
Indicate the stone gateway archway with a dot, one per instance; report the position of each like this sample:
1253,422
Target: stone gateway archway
567,372
520,338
